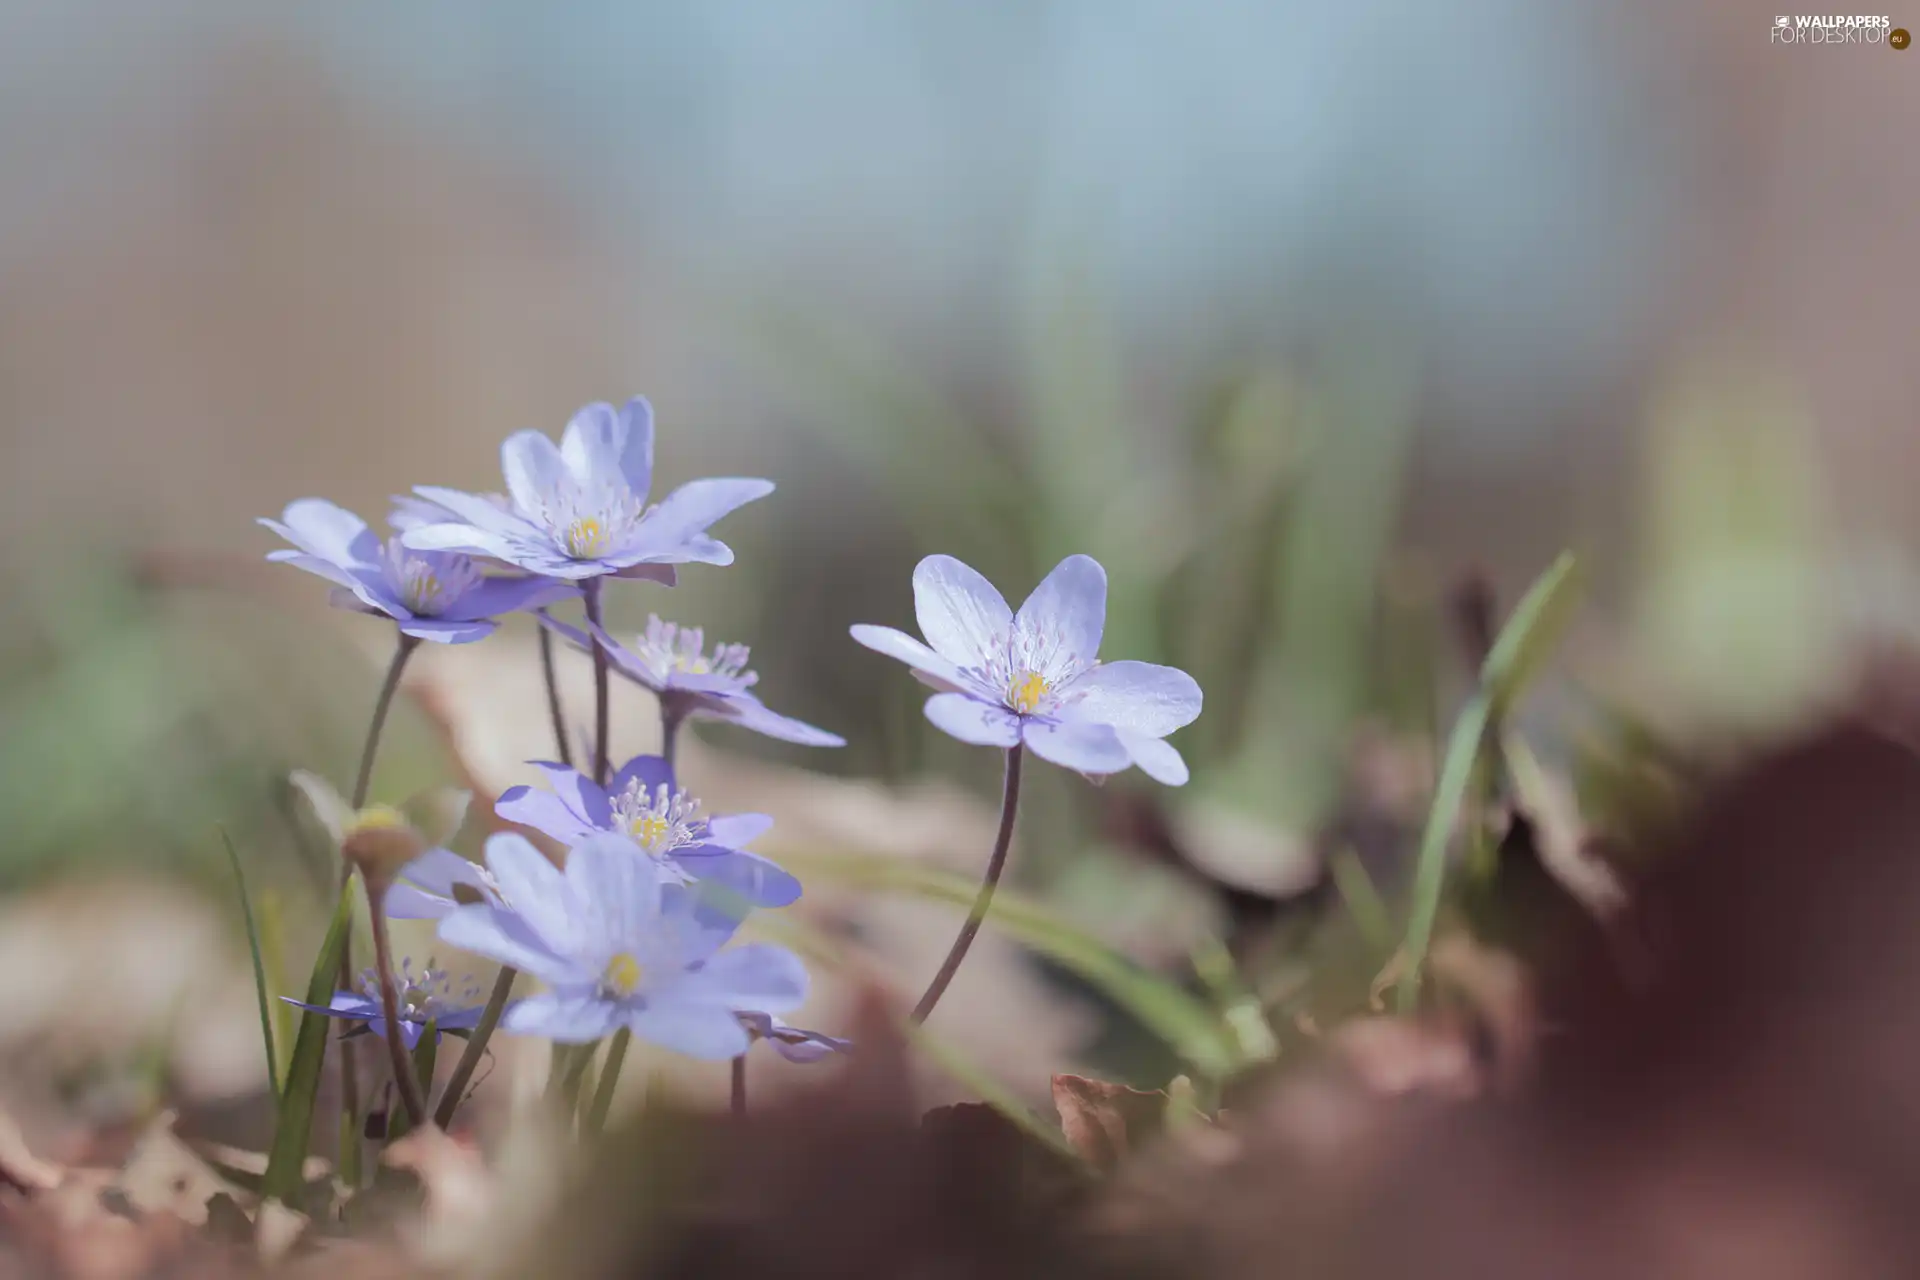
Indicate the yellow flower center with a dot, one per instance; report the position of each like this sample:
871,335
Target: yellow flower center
649,829
1025,694
585,538
622,975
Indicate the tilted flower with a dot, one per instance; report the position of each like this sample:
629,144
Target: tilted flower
431,595
1032,677
437,883
645,804
579,509
691,682
424,998
436,813
792,1043
618,947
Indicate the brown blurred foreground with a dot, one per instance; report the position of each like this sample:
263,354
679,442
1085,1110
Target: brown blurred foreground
1745,1102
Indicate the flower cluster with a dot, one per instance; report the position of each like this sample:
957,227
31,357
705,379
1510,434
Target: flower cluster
628,919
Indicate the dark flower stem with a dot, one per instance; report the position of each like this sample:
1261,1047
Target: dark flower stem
609,1077
740,1086
671,719
554,709
404,1078
1009,804
349,1155
602,710
401,653
476,1047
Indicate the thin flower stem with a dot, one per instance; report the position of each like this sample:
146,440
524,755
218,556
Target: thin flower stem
602,710
401,653
609,1077
1009,805
349,1154
404,1078
476,1048
670,722
557,712
740,1086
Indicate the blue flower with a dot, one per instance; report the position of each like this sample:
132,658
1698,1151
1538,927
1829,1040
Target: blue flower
437,883
618,947
579,509
1033,678
431,595
792,1043
644,804
673,662
423,998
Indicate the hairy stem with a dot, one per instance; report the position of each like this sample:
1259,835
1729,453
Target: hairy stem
404,1078
476,1048
602,709
555,711
1009,805
740,1085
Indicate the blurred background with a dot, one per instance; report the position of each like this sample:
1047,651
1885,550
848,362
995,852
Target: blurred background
1296,316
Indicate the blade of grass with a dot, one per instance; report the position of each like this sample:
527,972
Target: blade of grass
1363,900
302,1089
273,950
1511,664
260,992
1183,1021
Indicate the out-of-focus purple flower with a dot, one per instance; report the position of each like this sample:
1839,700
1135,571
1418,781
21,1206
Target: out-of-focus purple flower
579,509
674,663
431,595
1032,676
790,1042
619,947
435,883
644,804
423,997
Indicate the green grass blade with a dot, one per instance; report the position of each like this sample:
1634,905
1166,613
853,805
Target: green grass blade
273,950
297,1099
1463,748
1532,632
1516,657
1184,1022
1363,900
260,991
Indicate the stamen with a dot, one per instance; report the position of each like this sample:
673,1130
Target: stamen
585,538
1026,694
622,975
429,582
670,649
658,823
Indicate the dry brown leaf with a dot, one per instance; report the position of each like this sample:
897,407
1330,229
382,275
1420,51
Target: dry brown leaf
1104,1121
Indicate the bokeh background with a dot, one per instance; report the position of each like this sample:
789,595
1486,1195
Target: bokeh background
1296,316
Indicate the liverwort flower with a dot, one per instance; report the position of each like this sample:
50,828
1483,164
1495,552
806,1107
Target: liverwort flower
579,509
431,595
644,804
690,681
792,1043
618,946
425,997
1032,677
437,882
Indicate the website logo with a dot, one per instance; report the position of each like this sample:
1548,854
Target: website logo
1836,29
